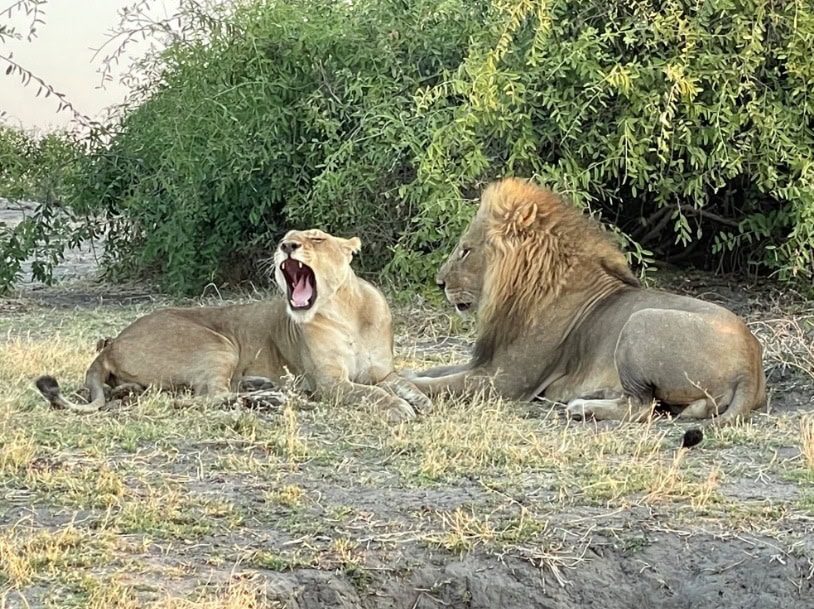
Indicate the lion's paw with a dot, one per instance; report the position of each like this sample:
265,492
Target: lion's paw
421,402
579,409
398,410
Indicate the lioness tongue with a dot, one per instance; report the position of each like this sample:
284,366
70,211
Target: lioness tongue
302,292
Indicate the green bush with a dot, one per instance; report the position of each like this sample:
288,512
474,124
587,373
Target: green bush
292,114
37,169
687,125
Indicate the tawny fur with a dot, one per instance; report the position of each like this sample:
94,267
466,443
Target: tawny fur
561,316
341,348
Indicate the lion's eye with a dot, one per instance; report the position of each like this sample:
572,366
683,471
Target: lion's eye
317,240
465,252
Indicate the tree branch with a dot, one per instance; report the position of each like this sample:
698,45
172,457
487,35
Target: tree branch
708,214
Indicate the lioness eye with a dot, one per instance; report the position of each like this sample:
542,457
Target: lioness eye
317,239
464,253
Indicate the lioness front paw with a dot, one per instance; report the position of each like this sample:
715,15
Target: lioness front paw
255,383
421,402
397,410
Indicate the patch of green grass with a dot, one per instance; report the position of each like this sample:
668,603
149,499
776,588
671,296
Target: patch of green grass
29,554
289,561
168,514
807,503
289,495
799,475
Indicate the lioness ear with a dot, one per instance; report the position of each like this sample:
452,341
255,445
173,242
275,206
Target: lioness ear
352,246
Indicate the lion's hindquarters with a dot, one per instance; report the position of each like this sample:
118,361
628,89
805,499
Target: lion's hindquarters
704,358
95,379
169,349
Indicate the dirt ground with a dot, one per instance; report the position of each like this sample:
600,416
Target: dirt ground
477,505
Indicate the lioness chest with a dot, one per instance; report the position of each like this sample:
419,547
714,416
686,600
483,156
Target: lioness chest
360,352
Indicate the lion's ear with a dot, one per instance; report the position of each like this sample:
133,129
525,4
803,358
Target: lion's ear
352,246
523,216
618,268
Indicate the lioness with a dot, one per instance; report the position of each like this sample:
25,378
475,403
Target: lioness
332,328
560,315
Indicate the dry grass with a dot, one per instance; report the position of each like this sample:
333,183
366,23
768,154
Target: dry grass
807,440
788,341
162,505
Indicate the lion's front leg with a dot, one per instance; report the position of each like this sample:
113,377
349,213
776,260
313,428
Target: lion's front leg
348,393
242,384
436,372
407,391
465,383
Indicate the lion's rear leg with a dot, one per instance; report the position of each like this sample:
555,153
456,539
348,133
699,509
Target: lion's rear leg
618,409
210,374
747,396
691,364
699,409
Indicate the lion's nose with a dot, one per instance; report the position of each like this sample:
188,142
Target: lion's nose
289,246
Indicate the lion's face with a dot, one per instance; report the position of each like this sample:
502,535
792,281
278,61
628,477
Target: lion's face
461,276
310,266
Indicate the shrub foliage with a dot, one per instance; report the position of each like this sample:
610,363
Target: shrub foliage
40,170
687,125
297,113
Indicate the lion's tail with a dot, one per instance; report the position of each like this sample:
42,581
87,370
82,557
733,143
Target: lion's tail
692,437
94,380
748,397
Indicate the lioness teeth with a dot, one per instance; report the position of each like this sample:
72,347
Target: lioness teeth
299,264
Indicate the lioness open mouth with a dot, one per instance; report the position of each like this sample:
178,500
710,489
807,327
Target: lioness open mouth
301,283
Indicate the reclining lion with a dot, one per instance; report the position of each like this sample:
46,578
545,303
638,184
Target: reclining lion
332,328
560,315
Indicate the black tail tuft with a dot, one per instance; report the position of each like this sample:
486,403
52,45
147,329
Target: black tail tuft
48,387
692,437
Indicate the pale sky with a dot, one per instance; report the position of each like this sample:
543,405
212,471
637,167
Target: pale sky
62,54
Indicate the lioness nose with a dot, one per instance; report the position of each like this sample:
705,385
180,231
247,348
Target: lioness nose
289,246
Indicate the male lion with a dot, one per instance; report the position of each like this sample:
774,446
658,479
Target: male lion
561,316
332,328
